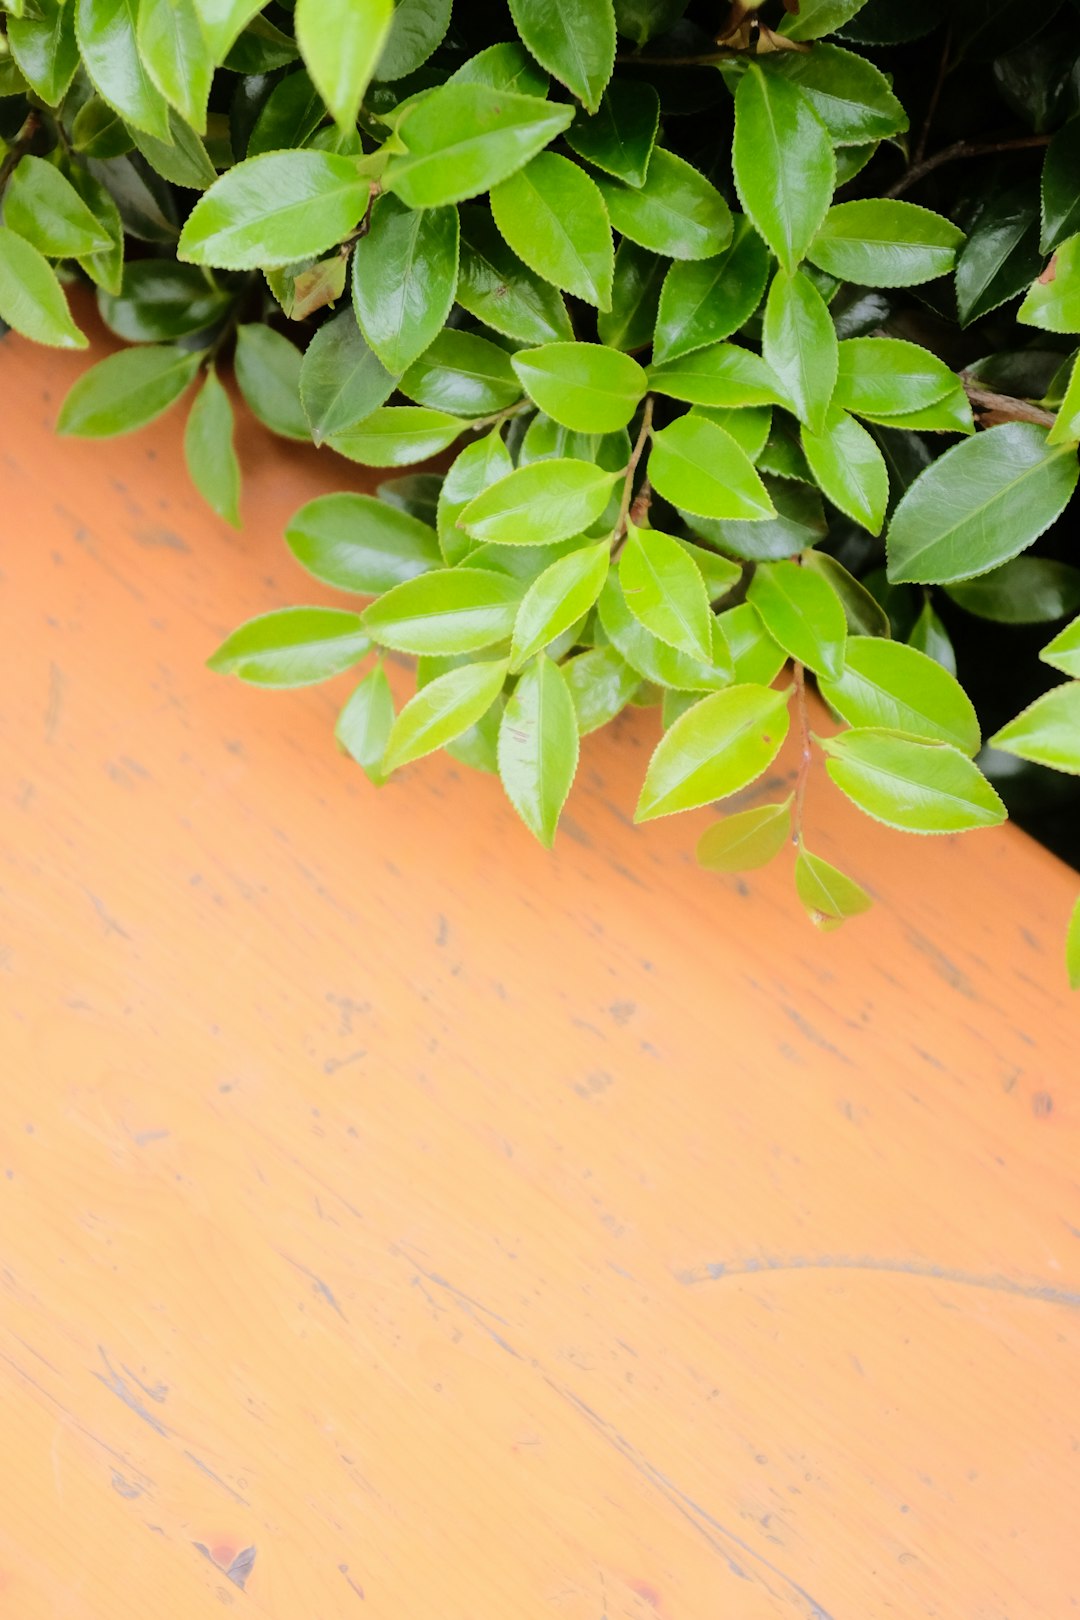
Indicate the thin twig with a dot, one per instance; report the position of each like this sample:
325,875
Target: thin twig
806,755
958,151
1017,410
631,467
935,96
710,59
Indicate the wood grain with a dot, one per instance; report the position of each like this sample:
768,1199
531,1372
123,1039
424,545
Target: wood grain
398,1221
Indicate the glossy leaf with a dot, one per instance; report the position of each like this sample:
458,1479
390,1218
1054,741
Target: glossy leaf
1027,590
1001,256
480,464
850,95
747,424
799,345
268,374
654,659
359,543
802,613
341,42
363,726
463,139
584,386
829,895
724,375
1060,194
746,840
882,377
576,44
32,301
174,51
930,636
209,452
1053,303
815,18
539,504
398,436
1064,651
663,588
635,295
887,684
783,162
601,684
915,786
705,300
126,391
462,373
498,289
1047,732
755,656
45,48
160,300
442,710
453,610
716,748
404,276
44,208
675,211
700,468
223,20
183,158
552,216
342,380
1066,430
557,599
275,209
105,268
290,116
621,135
799,522
538,747
506,66
106,35
850,468
883,242
294,646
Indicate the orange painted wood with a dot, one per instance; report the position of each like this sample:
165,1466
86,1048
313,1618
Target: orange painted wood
450,1231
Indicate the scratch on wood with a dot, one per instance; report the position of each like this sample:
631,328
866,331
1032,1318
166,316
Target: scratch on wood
111,924
317,1283
217,1479
344,1570
717,1270
116,1384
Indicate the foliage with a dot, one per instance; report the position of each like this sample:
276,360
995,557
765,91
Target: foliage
747,337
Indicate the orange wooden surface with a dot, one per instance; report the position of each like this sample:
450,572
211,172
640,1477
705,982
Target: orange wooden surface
458,1232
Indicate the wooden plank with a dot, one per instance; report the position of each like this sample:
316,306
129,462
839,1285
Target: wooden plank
445,1228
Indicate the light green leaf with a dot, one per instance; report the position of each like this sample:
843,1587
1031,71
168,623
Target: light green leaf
209,452
817,17
398,435
480,464
359,543
1047,732
916,786
707,299
755,656
1028,590
553,217
663,588
700,468
675,212
723,375
268,375
45,48
654,659
451,610
539,504
1053,302
1064,651
716,748
223,20
748,424
635,295
557,599
105,269
463,139
275,209
950,414
882,242
849,468
620,137
601,684
175,53
126,391
342,380
576,45
884,377
46,211
830,897
404,275
799,522
32,301
183,158
506,66
1066,430
802,613
982,502
341,41
502,292
538,747
463,373
584,386
849,94
106,35
1072,948
799,345
930,636
363,726
294,646
783,160
746,840
442,710
889,685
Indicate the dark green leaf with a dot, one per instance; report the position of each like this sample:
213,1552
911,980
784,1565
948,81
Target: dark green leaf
45,48
1001,255
502,292
864,614
160,300
418,27
930,636
635,295
183,158
1027,590
268,373
341,380
1060,193
97,130
462,373
601,684
290,116
850,95
576,45
799,522
619,139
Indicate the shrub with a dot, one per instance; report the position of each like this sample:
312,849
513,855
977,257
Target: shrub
745,348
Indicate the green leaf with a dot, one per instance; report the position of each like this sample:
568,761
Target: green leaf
290,116
655,659
817,17
783,162
916,786
576,46
442,710
719,573
462,373
1001,255
850,95
1047,732
452,610
418,27
1028,590
803,614
557,599
642,20
398,435
363,726
984,501
174,52
830,897
539,504
1053,302
268,374
506,66
98,131
799,344
663,588
747,424
126,391
1072,948
620,137
755,656
223,20
538,747
716,748
889,685
106,35
583,386
746,840
208,450
45,48
601,684
341,41
723,375
1060,193
881,242
553,217
341,380
404,276
1064,651
32,301
106,268
799,522
294,646
930,636
463,139
46,211
260,48
698,467
635,294
864,614
160,300
849,468
359,543
275,209
183,158
145,203
675,211
479,465
783,456
502,292
883,377
950,414
708,299
1066,430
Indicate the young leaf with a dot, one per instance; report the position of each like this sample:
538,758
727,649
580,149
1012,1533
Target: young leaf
799,344
126,391
404,275
654,659
1053,302
915,786
663,588
849,468
275,209
539,504
849,94
700,468
106,35
723,375
46,210
705,300
1064,651
557,599
174,52
577,46
538,747
398,435
1001,256
802,613
223,20
268,375
1047,732
1060,195
814,18
620,137
442,710
32,301
635,295
1066,430
830,897
747,839
748,424
341,41
982,502
601,684
676,211
480,464
756,658
363,726
783,162
506,66
359,543
463,373
45,48
553,217
208,449
888,685
583,386
294,646
463,139
719,746
884,377
342,380
453,610
1028,590
881,242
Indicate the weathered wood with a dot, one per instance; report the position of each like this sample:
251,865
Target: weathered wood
400,1221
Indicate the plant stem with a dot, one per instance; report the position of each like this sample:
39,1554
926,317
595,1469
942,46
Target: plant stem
959,150
1017,410
935,96
631,467
806,754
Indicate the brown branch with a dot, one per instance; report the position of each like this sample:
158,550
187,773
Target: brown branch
961,150
631,467
806,754
1015,410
